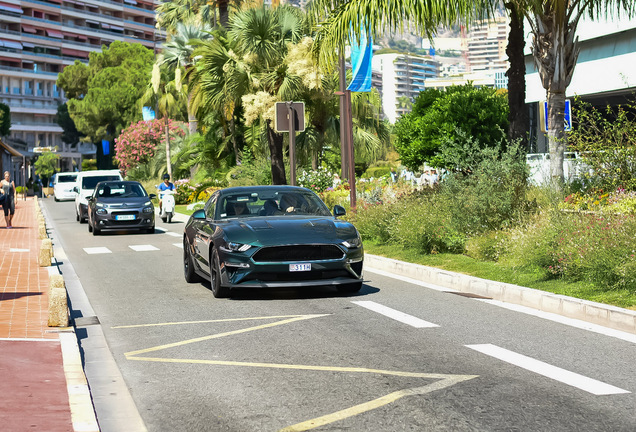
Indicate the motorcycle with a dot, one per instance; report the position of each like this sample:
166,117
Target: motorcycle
167,205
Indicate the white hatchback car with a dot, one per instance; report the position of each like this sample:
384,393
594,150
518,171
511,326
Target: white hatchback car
63,186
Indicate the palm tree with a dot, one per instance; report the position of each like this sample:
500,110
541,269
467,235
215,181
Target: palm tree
177,54
162,93
262,35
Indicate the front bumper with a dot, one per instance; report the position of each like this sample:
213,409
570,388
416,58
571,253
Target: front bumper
110,221
240,271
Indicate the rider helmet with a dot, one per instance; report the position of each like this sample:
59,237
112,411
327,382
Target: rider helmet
166,177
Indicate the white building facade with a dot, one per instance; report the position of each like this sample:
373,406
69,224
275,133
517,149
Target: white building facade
38,38
605,73
403,78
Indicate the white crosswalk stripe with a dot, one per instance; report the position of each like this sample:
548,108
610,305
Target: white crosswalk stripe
97,250
179,245
556,373
396,315
143,248
173,234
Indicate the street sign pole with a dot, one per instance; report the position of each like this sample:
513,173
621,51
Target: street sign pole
292,143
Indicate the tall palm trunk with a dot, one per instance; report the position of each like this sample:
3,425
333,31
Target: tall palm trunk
275,142
555,52
519,123
192,119
234,142
168,161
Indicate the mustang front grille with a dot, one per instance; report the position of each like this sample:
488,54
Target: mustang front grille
298,253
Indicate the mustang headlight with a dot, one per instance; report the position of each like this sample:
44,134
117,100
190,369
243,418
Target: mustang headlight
236,247
353,243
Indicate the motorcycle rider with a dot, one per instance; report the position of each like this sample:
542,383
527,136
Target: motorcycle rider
166,185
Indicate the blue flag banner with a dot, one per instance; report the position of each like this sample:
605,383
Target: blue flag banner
361,55
147,113
106,147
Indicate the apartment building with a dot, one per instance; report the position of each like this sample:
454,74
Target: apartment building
403,79
485,46
38,38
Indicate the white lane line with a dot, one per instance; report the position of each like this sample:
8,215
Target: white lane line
570,378
97,250
179,245
143,248
409,280
572,322
173,234
394,314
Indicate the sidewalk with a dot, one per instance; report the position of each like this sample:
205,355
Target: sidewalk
33,388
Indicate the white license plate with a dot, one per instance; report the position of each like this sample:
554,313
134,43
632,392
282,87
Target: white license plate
125,217
299,267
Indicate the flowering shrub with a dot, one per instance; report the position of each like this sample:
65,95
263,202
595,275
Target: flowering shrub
136,145
187,193
317,180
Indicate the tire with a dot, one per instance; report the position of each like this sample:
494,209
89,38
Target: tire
164,218
76,215
96,231
169,217
55,198
90,227
215,278
351,288
188,265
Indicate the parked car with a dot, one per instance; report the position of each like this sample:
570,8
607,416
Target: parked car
86,182
120,205
63,184
271,237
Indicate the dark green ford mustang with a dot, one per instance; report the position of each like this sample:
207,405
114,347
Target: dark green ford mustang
271,237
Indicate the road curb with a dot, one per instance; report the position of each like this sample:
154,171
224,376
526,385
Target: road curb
584,310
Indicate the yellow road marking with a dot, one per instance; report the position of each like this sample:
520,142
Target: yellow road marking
298,367
220,335
376,403
443,380
209,321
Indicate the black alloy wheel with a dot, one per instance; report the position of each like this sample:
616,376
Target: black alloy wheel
188,266
215,278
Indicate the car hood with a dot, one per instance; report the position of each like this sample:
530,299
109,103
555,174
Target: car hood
289,230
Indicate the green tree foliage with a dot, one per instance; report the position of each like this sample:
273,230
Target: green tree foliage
71,134
605,140
5,119
45,166
480,113
103,95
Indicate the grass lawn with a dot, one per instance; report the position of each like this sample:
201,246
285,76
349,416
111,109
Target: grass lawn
493,271
182,208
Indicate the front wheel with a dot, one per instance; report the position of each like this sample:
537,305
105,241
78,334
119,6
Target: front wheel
169,217
215,278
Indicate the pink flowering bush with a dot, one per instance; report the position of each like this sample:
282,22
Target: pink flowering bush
137,144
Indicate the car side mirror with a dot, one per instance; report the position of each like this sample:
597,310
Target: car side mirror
152,196
199,214
339,211
75,189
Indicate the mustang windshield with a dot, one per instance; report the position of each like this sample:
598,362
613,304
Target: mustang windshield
271,203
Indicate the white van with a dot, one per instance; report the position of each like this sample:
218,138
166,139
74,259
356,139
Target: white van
63,184
85,184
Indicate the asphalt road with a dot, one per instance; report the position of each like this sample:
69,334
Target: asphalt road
395,357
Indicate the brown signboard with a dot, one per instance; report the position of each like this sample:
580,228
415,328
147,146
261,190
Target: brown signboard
282,116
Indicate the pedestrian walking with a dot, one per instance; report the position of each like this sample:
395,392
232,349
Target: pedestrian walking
8,189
